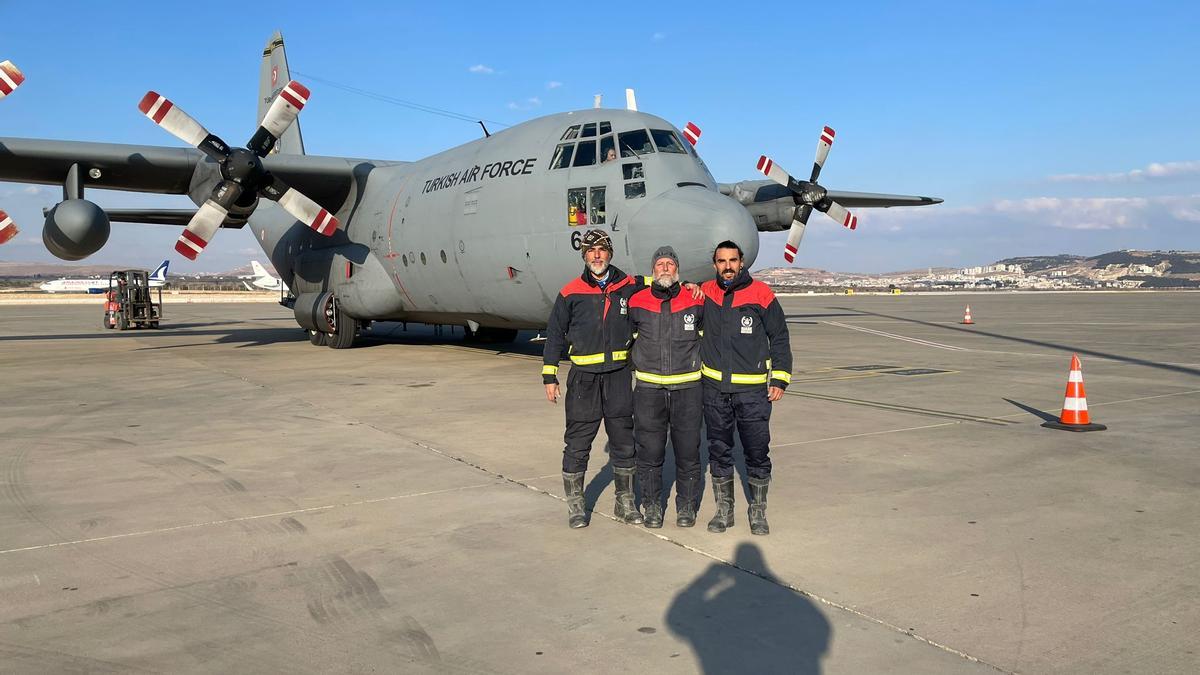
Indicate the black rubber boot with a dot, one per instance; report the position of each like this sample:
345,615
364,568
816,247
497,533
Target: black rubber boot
687,500
650,481
723,495
625,508
758,506
573,487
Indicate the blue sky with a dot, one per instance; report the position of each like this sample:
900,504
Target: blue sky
1055,127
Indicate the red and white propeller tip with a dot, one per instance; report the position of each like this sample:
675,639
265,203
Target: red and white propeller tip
692,133
772,170
201,229
285,108
823,145
11,77
173,119
309,212
8,229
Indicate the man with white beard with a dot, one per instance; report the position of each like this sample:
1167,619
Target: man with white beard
667,323
590,324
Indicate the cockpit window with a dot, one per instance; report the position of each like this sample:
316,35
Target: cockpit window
585,154
608,149
570,133
635,143
562,156
667,141
605,128
589,130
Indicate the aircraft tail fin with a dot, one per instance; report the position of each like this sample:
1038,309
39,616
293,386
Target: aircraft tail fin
160,274
260,272
272,78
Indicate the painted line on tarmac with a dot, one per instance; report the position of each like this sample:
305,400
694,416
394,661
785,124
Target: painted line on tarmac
895,407
894,336
311,509
869,433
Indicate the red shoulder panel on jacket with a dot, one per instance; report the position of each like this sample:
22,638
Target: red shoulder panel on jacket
684,300
578,286
644,299
713,291
757,293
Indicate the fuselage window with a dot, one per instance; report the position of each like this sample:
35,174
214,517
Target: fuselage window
577,207
562,156
589,130
608,149
570,133
597,205
635,143
635,190
632,170
585,154
667,141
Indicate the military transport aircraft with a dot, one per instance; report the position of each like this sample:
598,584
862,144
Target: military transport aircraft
483,234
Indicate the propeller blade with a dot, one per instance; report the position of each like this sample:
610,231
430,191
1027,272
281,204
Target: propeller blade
11,77
773,171
796,233
840,214
179,124
692,133
208,219
823,145
304,209
281,115
8,229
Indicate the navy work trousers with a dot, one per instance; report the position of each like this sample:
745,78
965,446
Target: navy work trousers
750,412
592,397
658,410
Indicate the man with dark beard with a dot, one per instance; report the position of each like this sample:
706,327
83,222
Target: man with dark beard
666,357
590,324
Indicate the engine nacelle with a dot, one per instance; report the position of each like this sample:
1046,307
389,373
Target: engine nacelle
75,229
315,311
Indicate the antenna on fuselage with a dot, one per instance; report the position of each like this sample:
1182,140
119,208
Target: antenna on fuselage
485,131
596,101
630,100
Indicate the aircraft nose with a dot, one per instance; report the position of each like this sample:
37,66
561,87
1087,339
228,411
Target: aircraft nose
692,220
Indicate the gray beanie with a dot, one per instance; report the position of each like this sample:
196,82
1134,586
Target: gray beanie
664,252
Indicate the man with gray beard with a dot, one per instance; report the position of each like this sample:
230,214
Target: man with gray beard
667,323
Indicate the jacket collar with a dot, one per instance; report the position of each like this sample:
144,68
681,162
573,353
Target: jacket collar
741,281
665,293
614,275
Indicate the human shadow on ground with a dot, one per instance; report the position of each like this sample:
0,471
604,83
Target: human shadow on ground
740,618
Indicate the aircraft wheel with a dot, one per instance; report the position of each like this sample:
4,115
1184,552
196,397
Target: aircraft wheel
108,321
317,338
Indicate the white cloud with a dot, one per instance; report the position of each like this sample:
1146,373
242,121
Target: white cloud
1154,171
528,104
553,84
481,69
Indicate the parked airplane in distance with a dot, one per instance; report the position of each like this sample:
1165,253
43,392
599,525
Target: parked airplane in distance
264,280
99,284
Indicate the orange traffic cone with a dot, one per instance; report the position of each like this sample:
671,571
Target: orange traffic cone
967,316
1075,411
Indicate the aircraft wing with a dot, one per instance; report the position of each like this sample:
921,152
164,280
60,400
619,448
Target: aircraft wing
167,170
879,200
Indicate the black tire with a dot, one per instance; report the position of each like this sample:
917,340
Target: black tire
122,322
489,335
108,324
345,331
317,338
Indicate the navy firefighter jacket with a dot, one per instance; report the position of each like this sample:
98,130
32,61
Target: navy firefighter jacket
590,324
667,325
746,342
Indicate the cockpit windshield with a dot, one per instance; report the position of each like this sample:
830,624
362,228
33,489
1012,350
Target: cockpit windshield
594,143
667,141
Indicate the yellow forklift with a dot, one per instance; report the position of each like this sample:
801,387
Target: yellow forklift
131,302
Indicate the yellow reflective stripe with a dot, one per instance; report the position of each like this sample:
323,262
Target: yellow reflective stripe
744,378
549,370
782,376
646,281
635,335
710,373
667,379
592,359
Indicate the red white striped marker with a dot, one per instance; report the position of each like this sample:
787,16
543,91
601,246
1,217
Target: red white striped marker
8,229
175,121
692,133
11,77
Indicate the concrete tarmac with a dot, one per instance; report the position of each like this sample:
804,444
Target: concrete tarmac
222,496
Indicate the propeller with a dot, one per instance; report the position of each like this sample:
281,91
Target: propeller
11,77
241,168
808,195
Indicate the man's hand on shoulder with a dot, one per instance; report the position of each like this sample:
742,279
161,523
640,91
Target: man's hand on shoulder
694,289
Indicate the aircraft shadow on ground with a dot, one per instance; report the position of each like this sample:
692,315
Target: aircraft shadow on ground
975,330
741,618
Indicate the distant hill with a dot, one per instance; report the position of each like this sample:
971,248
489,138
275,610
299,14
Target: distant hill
1039,263
1128,264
